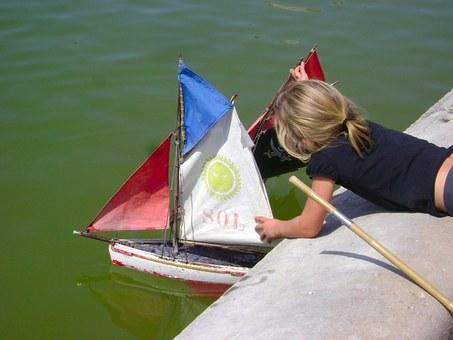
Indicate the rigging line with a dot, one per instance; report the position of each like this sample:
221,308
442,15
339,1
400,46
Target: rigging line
185,253
164,243
175,210
176,129
182,216
184,226
269,110
169,214
94,236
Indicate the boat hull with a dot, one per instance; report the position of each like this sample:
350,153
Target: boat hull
155,264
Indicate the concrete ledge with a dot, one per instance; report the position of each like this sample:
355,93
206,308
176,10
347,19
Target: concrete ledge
338,287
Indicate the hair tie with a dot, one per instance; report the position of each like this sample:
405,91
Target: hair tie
349,116
344,127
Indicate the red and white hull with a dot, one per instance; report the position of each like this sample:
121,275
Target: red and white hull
133,258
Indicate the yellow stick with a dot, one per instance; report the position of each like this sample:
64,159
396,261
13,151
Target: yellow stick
375,244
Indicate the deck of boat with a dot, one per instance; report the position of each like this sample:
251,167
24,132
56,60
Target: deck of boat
200,254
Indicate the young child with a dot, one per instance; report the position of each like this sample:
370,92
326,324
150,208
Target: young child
318,125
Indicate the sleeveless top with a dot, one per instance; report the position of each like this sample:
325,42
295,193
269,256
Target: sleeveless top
397,173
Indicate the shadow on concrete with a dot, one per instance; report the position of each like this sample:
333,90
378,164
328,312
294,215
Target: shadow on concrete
367,259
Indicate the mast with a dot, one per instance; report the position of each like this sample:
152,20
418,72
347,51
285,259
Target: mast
270,110
177,174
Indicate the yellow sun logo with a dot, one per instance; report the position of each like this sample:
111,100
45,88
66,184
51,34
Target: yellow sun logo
221,177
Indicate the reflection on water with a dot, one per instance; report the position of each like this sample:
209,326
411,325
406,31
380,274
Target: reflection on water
146,306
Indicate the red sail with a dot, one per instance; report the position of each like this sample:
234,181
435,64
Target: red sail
272,160
268,124
313,66
142,201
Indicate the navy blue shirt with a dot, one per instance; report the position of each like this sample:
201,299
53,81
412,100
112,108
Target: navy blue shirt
397,173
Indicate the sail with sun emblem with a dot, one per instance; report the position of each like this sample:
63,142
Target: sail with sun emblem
222,189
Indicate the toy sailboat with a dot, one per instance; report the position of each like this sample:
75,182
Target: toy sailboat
209,205
271,158
206,210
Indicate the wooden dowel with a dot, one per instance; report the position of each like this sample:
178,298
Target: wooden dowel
93,236
433,291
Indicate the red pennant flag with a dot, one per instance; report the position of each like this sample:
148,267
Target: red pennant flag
313,66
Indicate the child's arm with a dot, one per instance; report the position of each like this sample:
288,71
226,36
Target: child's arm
308,224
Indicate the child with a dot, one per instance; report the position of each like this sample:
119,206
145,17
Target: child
318,125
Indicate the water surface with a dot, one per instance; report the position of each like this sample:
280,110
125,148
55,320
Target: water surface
88,89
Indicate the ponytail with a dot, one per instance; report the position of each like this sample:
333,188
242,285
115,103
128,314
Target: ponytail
315,111
356,128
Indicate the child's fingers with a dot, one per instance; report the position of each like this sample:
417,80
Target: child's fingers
260,231
302,73
259,228
298,73
261,219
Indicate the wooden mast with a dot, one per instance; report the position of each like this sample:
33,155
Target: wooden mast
269,110
176,212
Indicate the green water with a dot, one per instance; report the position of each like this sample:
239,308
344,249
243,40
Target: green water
88,88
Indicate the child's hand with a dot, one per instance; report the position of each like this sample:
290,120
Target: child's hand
266,228
298,73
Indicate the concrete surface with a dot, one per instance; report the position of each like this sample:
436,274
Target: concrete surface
338,287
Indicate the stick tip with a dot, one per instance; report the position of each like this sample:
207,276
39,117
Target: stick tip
450,307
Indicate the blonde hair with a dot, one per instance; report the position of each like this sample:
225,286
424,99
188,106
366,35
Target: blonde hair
317,112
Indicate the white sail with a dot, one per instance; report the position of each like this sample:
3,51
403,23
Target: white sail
222,189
